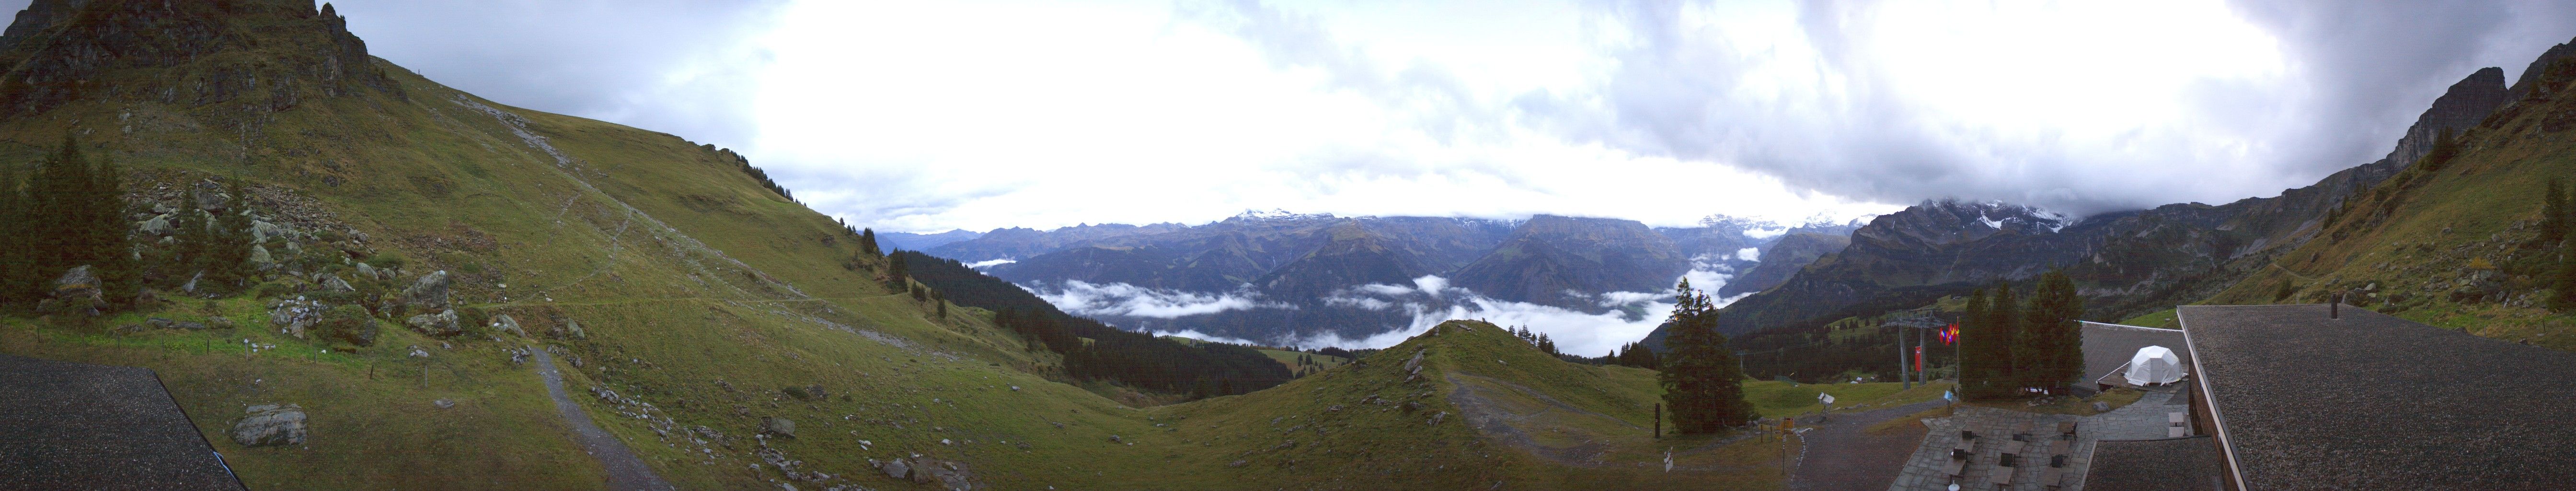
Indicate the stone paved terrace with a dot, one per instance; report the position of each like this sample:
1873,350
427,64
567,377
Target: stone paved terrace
2142,420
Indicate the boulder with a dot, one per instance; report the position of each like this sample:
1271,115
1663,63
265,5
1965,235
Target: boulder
506,324
2101,407
295,316
77,291
443,403
158,323
368,271
259,257
895,468
211,197
158,225
569,329
261,231
430,292
777,426
270,424
335,284
219,322
190,325
441,324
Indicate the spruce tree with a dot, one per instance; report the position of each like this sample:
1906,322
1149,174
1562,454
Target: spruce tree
1701,383
1982,360
189,240
868,243
2563,281
2051,339
2553,213
2003,318
228,251
111,240
16,225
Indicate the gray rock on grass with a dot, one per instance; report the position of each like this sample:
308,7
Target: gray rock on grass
269,425
778,426
441,324
429,292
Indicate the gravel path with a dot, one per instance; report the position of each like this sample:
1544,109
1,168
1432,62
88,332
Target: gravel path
1842,455
625,471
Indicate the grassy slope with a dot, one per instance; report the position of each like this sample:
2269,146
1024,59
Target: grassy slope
2412,240
666,320
1600,412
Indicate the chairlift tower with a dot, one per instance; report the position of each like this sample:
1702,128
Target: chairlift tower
1920,319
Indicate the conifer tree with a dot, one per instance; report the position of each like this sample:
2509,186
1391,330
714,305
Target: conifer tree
868,243
189,239
2562,295
1701,383
2553,213
16,226
228,248
2051,347
2004,318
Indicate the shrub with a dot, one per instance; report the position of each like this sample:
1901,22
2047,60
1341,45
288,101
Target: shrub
474,319
387,260
349,323
272,289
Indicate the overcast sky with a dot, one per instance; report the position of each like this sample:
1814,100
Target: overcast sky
924,116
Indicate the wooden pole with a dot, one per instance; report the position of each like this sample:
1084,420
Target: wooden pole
1659,420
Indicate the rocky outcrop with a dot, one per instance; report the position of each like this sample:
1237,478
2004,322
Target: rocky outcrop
270,425
441,324
2523,85
38,16
59,50
429,292
2466,103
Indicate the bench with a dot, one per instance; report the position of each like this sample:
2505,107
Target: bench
2066,427
2060,447
2002,476
2052,477
1955,468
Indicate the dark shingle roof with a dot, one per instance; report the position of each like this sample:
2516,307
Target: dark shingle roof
2107,347
2172,464
2377,402
81,426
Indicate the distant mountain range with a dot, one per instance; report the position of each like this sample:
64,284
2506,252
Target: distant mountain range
2124,263
915,242
1278,276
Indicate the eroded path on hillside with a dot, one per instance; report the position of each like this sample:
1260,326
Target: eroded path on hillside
1841,454
1487,408
625,471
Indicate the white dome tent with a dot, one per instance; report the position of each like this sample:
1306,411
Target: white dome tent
2154,365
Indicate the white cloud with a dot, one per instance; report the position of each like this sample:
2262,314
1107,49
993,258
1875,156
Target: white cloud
1749,254
1124,300
989,263
923,116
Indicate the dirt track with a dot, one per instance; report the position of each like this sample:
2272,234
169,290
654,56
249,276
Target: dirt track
625,471
1840,455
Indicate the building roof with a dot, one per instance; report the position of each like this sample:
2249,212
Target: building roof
2107,347
2171,464
2371,401
81,426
